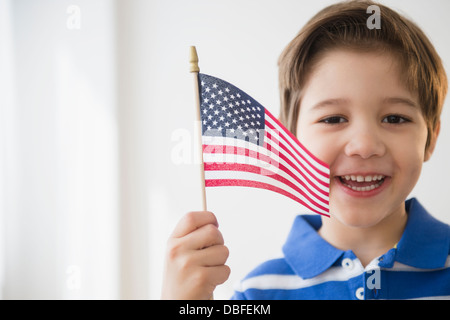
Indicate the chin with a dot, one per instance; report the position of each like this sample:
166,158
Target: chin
357,218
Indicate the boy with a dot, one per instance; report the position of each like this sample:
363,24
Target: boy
367,102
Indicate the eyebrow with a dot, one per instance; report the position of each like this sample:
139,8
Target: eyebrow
342,101
400,100
330,102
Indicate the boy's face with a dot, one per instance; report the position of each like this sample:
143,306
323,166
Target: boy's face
358,116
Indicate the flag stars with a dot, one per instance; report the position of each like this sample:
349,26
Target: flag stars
226,108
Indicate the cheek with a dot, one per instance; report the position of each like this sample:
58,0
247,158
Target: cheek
323,146
409,156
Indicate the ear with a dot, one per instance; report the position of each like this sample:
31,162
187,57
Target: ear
433,140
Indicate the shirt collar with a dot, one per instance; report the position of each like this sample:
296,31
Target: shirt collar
425,243
306,251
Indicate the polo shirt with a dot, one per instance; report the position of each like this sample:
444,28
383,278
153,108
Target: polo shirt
418,267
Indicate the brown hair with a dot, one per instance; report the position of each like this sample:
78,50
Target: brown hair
344,25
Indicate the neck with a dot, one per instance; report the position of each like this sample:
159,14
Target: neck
366,242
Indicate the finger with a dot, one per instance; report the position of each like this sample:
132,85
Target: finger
205,236
211,256
192,221
218,275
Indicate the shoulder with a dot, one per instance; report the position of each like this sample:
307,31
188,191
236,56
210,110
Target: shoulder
274,266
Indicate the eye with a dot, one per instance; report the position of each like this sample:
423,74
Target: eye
333,120
395,119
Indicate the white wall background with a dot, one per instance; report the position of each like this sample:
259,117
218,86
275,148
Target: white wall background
96,136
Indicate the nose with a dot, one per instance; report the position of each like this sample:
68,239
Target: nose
365,143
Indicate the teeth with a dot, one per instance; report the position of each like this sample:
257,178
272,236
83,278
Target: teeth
377,179
368,188
360,178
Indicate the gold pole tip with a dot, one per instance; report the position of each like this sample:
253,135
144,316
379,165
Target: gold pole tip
193,60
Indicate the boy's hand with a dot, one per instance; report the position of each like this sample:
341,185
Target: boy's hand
195,259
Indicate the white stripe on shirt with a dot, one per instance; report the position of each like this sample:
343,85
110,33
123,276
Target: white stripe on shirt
292,282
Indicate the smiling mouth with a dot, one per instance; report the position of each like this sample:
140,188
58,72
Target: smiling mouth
362,183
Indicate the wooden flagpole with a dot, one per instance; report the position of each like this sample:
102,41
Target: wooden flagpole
194,69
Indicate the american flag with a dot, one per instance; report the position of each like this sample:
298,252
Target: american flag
245,145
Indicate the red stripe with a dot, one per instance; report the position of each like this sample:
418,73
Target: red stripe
281,155
228,149
297,142
260,156
295,150
260,185
265,172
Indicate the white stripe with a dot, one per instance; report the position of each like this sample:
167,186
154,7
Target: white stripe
298,168
241,159
310,167
239,143
403,267
293,282
231,158
219,158
432,298
240,175
294,143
